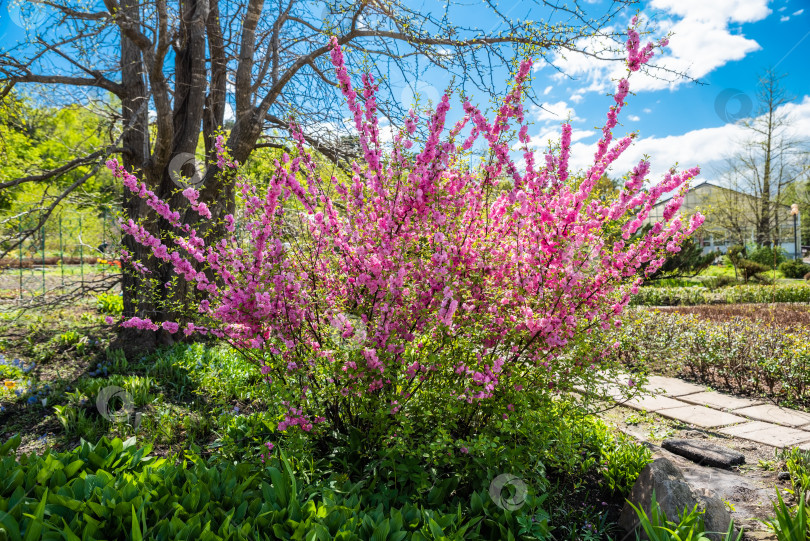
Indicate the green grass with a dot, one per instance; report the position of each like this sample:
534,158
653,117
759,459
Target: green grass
728,272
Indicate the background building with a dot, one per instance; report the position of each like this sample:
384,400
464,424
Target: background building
733,217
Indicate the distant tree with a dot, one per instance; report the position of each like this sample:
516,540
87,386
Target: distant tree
687,263
744,267
771,160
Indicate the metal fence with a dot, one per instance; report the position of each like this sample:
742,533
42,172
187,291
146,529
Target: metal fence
66,257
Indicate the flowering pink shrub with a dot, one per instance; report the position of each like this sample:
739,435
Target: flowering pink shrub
417,274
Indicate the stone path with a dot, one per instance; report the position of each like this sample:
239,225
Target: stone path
754,420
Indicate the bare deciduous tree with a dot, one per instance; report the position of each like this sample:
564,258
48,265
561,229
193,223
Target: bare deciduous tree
761,174
175,70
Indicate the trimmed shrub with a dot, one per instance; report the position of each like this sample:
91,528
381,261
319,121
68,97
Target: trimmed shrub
794,269
738,355
769,256
744,293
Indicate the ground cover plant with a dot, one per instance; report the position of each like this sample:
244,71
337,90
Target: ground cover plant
201,419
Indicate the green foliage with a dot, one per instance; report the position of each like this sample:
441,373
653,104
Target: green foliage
688,262
110,303
752,270
797,463
738,355
49,137
74,420
670,296
115,489
768,256
787,525
690,526
716,282
623,461
794,269
222,371
690,296
753,265
433,472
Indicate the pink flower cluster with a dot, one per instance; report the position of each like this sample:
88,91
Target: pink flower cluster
511,262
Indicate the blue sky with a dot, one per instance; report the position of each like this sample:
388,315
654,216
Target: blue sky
723,43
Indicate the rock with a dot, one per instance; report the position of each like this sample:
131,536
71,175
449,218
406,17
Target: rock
703,453
751,495
673,494
783,476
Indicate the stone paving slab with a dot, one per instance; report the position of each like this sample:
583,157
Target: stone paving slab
703,416
719,400
653,403
776,415
610,390
768,434
673,387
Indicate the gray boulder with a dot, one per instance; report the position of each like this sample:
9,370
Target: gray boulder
673,494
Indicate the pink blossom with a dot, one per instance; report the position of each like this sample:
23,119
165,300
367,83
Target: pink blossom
364,299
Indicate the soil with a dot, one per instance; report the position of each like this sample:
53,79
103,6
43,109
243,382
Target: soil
780,314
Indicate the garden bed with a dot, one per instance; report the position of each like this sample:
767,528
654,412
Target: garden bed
749,355
782,315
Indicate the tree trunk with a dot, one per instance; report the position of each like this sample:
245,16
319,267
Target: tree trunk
135,287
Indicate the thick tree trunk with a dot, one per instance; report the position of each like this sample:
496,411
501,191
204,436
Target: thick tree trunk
136,290
145,296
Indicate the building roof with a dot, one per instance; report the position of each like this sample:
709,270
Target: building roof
708,184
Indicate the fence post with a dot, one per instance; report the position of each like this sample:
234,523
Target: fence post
20,260
42,230
61,255
81,256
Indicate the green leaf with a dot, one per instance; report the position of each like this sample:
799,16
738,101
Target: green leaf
380,533
279,483
476,504
10,525
435,529
34,531
136,528
11,445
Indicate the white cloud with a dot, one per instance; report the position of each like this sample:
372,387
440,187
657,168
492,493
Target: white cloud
556,112
702,41
577,97
633,118
549,118
783,8
547,90
708,147
552,135
647,110
797,13
784,18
